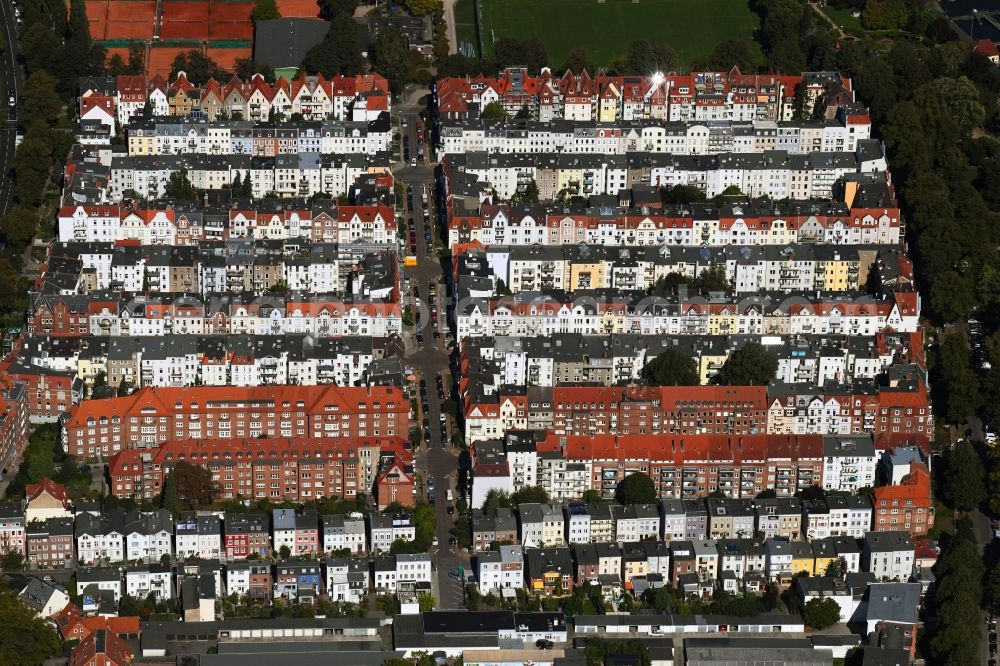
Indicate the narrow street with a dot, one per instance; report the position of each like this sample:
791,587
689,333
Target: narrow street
434,459
12,75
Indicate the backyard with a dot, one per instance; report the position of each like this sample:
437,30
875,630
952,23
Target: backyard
605,29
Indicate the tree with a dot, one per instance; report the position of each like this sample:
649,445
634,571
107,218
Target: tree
389,54
494,111
136,59
284,552
27,639
40,47
636,488
767,493
731,53
821,613
527,195
339,52
530,494
19,226
496,499
672,367
266,10
40,98
964,485
187,487
179,187
246,68
422,7
644,59
198,67
427,603
750,365
12,561
328,9
578,61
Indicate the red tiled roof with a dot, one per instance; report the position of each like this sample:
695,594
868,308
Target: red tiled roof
47,485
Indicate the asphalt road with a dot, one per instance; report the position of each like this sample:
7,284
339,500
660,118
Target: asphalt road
434,460
11,84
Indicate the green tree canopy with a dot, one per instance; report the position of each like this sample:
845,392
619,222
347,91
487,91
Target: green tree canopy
636,488
422,7
27,639
40,99
750,365
964,484
672,367
339,52
198,67
643,58
331,8
578,61
389,55
821,613
187,487
19,226
266,10
494,111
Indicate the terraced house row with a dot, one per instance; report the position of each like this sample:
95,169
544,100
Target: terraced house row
173,136
299,175
219,267
612,311
120,99
152,416
693,465
194,360
894,405
565,359
697,96
183,223
117,314
775,174
749,269
865,212
839,133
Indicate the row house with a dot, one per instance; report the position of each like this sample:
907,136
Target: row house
836,515
748,269
384,530
172,136
774,174
839,133
12,529
568,358
907,506
298,532
344,533
278,469
500,528
392,573
359,98
867,213
250,579
198,535
695,566
281,176
151,416
347,579
100,538
246,534
150,579
698,96
49,543
301,580
179,223
612,311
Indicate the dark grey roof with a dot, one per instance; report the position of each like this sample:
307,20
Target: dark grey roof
284,42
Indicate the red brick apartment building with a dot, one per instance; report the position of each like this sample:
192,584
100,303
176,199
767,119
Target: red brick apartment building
151,416
697,465
270,468
907,506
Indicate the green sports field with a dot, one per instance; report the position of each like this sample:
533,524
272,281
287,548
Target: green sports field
605,30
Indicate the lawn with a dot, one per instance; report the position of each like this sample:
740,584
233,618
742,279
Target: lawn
605,30
465,21
844,19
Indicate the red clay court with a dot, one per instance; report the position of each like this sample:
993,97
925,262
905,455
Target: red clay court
129,19
199,20
298,8
231,20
